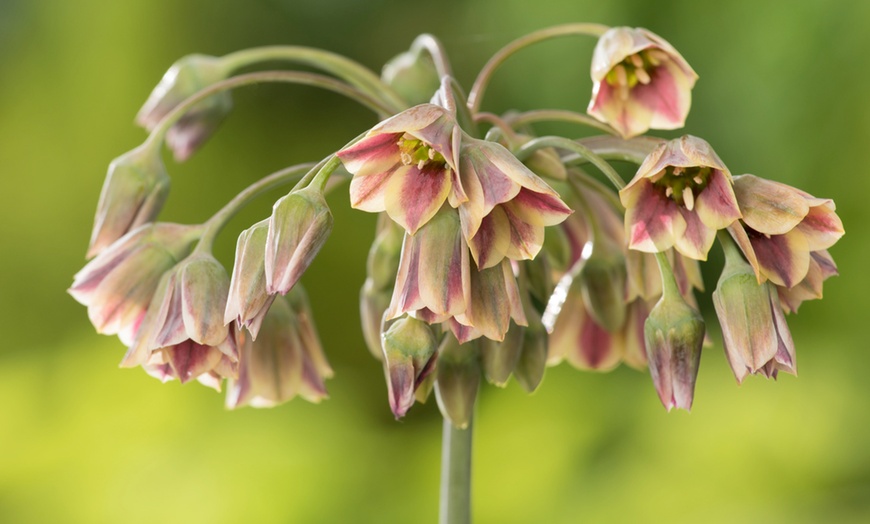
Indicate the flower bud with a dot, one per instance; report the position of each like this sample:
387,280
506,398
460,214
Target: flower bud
248,301
602,284
372,305
457,381
284,361
117,286
674,334
500,358
532,362
409,351
298,228
412,74
133,193
185,78
754,329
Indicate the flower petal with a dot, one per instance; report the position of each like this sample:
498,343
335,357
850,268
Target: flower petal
655,222
821,227
769,207
443,274
716,204
414,196
372,155
492,240
697,239
784,259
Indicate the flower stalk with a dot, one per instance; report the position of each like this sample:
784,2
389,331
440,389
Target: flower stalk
455,506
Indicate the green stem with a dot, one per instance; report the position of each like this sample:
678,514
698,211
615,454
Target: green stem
436,50
475,96
564,143
352,72
294,77
560,115
217,222
456,474
670,289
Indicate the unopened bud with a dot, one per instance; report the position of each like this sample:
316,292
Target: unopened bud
532,363
185,78
248,301
500,358
412,74
298,228
409,350
383,259
372,305
674,334
458,380
133,193
602,283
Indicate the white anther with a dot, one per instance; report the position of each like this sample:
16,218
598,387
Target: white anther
668,192
689,198
642,76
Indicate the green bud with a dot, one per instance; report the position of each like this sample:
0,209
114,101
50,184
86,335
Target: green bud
412,74
602,284
500,358
383,260
409,351
532,363
372,305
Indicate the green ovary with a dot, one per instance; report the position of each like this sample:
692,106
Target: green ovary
416,152
675,182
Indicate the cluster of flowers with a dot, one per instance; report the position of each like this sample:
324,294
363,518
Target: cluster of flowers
461,280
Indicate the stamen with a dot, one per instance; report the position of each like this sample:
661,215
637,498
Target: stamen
432,154
636,60
642,75
698,180
621,75
689,198
406,159
669,191
421,164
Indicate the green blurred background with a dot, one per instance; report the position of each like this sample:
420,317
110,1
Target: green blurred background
783,94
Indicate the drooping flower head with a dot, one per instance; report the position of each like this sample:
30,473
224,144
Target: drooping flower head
680,196
406,166
785,232
640,82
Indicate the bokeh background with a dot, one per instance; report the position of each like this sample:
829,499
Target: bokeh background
783,94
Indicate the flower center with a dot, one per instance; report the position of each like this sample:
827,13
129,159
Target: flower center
681,184
634,69
416,152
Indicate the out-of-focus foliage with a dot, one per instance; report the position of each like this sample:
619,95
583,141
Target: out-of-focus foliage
782,94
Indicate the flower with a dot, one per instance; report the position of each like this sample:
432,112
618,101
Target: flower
674,335
299,226
248,302
782,226
507,204
117,286
185,78
406,166
680,196
822,267
284,361
133,193
188,360
409,356
640,82
756,335
186,315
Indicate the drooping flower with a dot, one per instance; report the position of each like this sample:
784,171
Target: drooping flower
822,267
188,360
117,286
298,228
406,166
754,329
640,82
133,193
680,196
286,360
185,78
409,355
187,314
508,205
248,301
780,230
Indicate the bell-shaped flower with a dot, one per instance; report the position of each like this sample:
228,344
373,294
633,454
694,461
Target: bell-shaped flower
674,335
248,300
640,82
406,166
781,227
756,335
299,226
188,305
409,348
185,78
117,286
508,205
286,360
187,361
681,195
133,193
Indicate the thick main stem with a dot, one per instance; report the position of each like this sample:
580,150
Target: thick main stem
455,505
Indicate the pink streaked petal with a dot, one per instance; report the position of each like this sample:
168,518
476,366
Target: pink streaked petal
742,239
697,239
654,224
512,291
367,192
413,119
189,359
492,240
769,207
413,196
668,96
785,353
628,117
826,263
821,227
462,332
169,321
372,155
784,259
595,348
489,309
443,274
539,209
507,163
716,204
495,186
525,239
406,293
